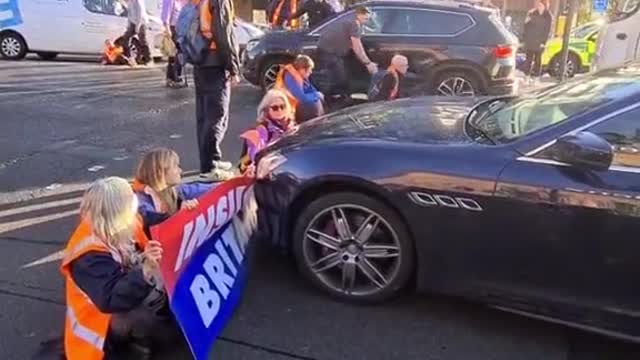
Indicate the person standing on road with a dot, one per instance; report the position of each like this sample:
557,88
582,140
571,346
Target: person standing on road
318,11
213,79
385,84
138,20
116,305
537,28
335,45
170,11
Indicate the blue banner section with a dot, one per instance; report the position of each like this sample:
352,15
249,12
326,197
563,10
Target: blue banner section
600,6
209,289
9,13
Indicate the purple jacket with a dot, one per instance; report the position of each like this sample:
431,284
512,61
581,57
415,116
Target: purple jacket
171,10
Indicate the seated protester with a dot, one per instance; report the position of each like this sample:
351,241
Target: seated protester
158,188
303,96
113,54
385,84
116,305
275,117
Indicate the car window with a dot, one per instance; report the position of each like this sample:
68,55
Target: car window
377,21
427,22
508,119
108,7
623,133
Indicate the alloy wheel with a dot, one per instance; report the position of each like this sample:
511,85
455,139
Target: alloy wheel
352,250
11,46
270,75
455,86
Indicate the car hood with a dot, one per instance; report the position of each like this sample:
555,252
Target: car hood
424,120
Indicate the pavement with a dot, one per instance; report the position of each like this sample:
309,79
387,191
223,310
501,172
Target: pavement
66,123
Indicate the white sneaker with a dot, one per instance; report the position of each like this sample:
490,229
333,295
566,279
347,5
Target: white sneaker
221,165
217,175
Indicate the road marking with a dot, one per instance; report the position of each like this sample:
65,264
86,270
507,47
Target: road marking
51,205
29,222
53,257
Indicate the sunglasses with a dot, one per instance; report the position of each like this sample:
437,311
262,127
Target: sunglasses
279,107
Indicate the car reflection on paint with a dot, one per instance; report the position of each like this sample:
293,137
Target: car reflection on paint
523,203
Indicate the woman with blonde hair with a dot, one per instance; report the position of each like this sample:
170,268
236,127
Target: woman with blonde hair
115,305
158,187
275,118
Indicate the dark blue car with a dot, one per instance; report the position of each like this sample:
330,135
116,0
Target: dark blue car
530,204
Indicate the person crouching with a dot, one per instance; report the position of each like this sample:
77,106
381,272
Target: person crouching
303,96
158,187
275,118
114,307
385,84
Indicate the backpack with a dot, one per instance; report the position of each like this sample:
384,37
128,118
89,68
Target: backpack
193,44
376,84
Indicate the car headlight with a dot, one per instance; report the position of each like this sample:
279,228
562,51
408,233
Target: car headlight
268,164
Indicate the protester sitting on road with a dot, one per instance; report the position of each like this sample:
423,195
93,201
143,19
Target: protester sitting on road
116,308
294,81
275,117
158,188
385,84
113,54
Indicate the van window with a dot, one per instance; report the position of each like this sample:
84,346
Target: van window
107,7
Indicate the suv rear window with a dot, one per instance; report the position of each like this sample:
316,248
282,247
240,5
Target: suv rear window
426,22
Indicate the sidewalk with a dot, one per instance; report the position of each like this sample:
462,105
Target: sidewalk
544,81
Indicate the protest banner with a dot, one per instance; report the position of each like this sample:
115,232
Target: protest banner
203,264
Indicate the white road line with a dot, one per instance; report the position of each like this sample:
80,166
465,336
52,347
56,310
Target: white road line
46,205
56,256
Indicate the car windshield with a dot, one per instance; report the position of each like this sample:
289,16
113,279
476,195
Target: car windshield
584,31
507,119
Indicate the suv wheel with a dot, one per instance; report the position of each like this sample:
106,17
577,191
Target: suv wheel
456,83
12,46
270,71
353,247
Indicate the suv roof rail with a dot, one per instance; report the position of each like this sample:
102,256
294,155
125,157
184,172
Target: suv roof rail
475,4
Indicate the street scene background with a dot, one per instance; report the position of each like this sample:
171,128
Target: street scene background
68,122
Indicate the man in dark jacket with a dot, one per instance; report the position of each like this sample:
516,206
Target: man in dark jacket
213,79
536,33
318,10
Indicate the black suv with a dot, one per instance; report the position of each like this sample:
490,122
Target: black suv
454,48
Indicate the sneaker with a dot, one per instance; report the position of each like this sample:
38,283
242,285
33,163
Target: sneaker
216,175
222,165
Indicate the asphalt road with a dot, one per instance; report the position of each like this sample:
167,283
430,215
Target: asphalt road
64,124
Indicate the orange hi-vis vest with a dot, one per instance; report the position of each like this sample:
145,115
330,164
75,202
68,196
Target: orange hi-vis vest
282,86
293,8
112,52
85,328
206,20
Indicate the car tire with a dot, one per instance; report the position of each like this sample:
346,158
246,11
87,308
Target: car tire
573,63
395,271
47,55
269,71
456,83
12,46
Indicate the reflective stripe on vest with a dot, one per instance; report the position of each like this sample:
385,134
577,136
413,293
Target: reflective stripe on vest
84,333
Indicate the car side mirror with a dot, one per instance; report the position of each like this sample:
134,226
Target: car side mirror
584,150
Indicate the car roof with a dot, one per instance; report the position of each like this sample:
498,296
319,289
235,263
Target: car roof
444,4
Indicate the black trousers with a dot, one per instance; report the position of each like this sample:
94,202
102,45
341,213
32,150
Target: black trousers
174,64
213,94
142,41
533,62
335,70
309,111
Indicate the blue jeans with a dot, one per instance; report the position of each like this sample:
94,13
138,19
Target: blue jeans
213,93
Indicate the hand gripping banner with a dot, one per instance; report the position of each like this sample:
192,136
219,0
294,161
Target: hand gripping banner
203,263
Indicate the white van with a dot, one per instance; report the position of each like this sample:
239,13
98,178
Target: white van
619,40
50,27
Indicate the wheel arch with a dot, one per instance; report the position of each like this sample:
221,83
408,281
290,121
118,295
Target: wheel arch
13,31
318,187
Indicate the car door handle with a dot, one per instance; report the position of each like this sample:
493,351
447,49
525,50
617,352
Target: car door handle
621,36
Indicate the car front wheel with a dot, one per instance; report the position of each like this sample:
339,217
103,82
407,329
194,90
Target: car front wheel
12,46
353,247
456,83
